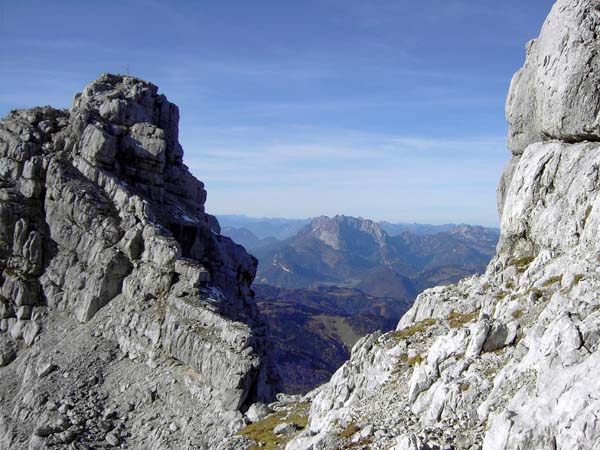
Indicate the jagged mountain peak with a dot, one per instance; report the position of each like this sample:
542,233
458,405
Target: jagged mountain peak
341,232
116,287
352,251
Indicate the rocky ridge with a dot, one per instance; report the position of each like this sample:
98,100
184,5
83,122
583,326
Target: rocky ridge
126,319
509,359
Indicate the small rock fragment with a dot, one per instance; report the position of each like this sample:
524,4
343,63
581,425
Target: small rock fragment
285,428
113,439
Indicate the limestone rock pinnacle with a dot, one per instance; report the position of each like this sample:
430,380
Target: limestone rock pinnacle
115,278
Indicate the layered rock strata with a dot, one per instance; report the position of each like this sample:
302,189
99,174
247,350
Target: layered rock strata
507,360
126,319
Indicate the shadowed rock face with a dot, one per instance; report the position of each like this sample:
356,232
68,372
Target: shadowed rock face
509,359
106,252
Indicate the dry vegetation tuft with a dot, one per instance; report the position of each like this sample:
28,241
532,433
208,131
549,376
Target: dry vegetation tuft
262,431
419,327
457,319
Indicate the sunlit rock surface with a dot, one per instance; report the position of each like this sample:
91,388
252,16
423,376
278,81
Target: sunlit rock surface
126,319
507,360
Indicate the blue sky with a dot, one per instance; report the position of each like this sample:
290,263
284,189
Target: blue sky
385,109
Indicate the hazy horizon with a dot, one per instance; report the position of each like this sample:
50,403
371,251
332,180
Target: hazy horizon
382,109
393,222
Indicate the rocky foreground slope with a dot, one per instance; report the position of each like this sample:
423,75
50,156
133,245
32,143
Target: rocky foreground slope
508,360
126,318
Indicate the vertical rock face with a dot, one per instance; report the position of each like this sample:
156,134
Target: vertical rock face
125,317
507,360
555,95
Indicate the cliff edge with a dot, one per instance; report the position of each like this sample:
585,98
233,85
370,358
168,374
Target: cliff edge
507,360
126,319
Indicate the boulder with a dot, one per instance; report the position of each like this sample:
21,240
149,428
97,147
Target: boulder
257,412
285,429
557,92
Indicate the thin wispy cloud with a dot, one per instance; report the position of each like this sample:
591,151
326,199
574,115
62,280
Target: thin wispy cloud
383,109
321,164
194,71
56,44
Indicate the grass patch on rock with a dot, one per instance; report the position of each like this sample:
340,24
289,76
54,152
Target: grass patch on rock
586,216
553,280
500,295
522,263
419,327
417,359
457,319
536,291
412,360
349,431
262,432
517,314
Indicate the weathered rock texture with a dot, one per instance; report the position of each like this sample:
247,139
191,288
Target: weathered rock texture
126,318
508,360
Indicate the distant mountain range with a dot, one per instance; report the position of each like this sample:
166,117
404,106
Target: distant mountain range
394,229
247,238
262,228
358,253
323,283
266,229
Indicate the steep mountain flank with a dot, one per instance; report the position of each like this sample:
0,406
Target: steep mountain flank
126,318
313,330
508,360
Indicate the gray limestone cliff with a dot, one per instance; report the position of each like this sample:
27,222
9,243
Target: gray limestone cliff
126,319
507,360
